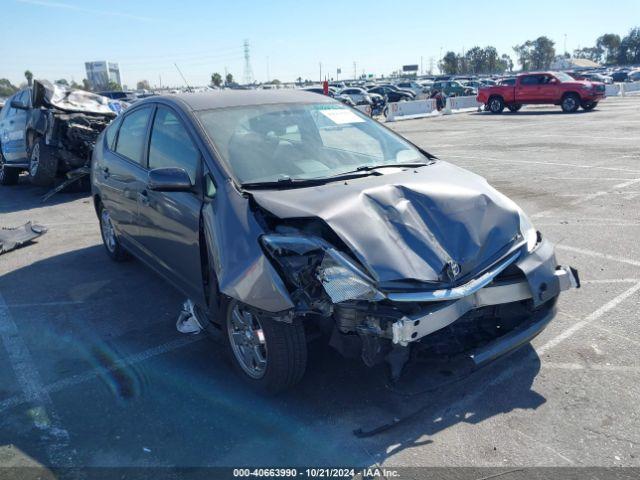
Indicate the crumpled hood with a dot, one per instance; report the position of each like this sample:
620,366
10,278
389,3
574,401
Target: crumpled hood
408,224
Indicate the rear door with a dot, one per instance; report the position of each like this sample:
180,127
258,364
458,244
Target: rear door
169,222
528,89
123,172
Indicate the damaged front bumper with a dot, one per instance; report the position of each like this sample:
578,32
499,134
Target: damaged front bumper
542,281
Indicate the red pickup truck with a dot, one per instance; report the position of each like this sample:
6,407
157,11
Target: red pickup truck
555,88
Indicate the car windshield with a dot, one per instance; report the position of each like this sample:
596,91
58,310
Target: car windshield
563,77
267,143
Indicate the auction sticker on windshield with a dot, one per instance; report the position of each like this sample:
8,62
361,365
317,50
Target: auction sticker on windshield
341,116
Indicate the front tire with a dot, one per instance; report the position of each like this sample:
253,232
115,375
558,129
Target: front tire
8,175
270,355
588,106
43,166
570,103
109,238
496,105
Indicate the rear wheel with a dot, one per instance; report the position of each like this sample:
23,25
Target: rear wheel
589,105
109,237
270,355
514,108
496,105
570,103
43,166
8,175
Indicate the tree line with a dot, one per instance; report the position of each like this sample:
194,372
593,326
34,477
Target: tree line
539,54
611,49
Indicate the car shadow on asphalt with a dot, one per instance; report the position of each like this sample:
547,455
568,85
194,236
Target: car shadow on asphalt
30,197
192,391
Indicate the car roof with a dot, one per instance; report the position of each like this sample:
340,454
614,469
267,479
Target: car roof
239,98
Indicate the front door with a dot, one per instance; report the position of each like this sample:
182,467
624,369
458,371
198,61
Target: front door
13,128
169,222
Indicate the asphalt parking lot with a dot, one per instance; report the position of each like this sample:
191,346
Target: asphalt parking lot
94,372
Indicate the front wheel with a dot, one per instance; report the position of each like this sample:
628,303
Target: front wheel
570,103
270,355
496,105
43,166
589,105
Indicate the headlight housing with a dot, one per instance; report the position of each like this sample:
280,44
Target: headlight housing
528,231
309,262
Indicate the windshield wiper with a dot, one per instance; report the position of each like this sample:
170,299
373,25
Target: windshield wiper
288,182
361,171
368,168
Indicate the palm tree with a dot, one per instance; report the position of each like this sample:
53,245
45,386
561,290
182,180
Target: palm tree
29,76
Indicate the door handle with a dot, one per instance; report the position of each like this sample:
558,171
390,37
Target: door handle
143,197
105,172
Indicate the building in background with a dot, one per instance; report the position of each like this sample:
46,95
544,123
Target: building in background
100,74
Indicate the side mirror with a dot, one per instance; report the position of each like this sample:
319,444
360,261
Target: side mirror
169,179
17,104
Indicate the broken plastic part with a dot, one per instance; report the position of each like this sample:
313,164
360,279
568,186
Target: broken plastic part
188,321
11,238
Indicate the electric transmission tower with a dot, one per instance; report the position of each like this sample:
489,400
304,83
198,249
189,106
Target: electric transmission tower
248,73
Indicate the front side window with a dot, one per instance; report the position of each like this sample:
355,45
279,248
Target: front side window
132,134
265,143
170,145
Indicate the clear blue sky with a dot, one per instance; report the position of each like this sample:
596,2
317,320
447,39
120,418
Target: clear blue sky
54,38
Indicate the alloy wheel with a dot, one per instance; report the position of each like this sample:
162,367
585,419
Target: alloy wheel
248,342
34,160
108,233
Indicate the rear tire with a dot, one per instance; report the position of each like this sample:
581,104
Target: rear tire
270,355
496,104
8,175
43,166
109,238
570,103
514,108
588,106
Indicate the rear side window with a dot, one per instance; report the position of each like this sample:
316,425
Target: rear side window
529,80
170,144
132,134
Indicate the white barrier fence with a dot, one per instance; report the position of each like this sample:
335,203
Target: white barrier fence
366,109
461,104
412,109
622,89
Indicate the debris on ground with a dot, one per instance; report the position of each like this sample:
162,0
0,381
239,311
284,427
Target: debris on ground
188,320
12,238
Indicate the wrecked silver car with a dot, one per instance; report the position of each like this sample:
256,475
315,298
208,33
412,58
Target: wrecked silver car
285,216
49,130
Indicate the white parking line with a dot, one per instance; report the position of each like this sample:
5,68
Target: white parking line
592,253
28,378
91,374
592,367
588,197
538,162
610,305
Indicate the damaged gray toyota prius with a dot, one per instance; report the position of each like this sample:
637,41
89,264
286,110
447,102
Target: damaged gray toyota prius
285,216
